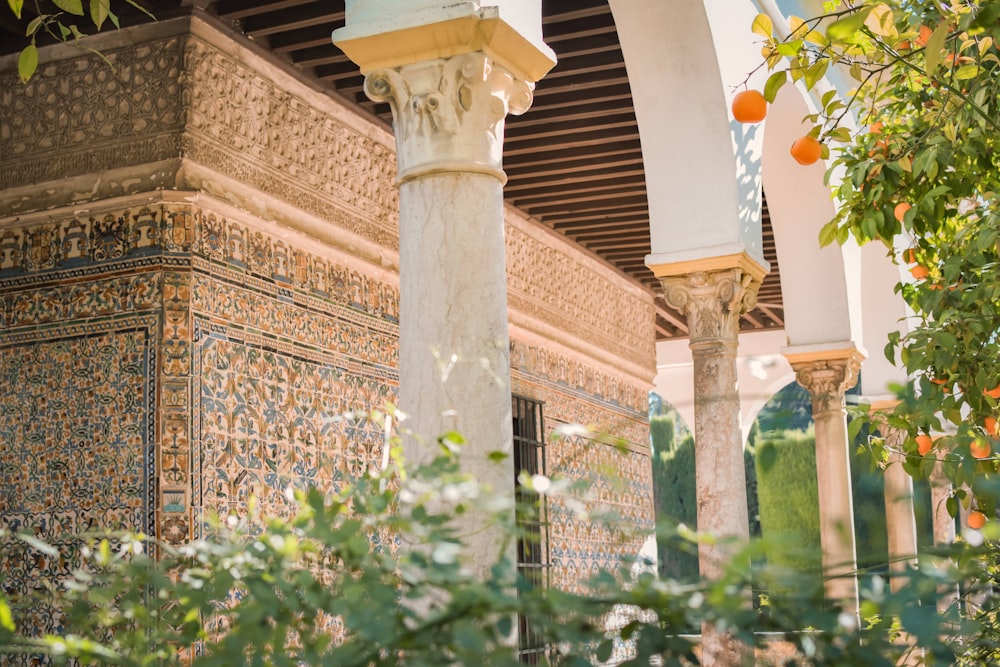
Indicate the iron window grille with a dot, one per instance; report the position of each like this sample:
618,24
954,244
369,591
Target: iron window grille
533,538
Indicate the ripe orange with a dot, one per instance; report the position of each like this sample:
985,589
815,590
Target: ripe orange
993,393
881,147
980,447
976,520
924,443
749,107
876,127
806,150
903,46
910,256
925,34
900,210
990,424
920,272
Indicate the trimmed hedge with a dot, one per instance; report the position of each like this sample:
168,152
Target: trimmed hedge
674,497
789,501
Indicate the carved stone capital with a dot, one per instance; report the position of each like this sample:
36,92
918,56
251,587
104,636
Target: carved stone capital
827,380
448,113
713,301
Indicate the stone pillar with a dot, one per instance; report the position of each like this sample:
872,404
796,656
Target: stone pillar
901,522
451,75
827,372
713,301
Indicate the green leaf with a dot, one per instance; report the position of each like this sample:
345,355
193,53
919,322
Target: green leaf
16,6
815,72
34,25
6,618
847,26
762,25
774,84
27,62
603,652
74,7
789,49
828,233
935,45
99,10
967,72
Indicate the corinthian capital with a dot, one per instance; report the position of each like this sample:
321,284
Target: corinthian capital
826,374
713,301
448,113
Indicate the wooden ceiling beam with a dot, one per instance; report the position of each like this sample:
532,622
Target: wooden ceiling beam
579,195
290,20
577,180
599,204
238,9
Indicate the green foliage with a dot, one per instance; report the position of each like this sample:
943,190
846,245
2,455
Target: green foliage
790,409
928,85
63,25
924,168
382,566
674,497
789,503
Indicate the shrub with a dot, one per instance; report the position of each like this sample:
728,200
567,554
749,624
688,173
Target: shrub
789,502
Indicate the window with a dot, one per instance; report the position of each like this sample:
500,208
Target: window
532,543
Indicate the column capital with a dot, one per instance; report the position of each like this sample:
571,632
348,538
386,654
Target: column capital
826,372
712,300
448,113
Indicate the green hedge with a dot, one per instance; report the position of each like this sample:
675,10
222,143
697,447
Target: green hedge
674,495
789,501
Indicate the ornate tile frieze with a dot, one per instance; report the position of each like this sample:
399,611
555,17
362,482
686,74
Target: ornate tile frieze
79,116
550,283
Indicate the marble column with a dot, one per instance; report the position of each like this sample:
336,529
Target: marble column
713,301
900,520
827,372
451,74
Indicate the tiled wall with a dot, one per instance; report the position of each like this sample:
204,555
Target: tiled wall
167,353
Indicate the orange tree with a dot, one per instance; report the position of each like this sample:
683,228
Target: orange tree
916,145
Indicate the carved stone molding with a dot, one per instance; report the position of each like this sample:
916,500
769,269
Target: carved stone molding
828,379
448,113
712,301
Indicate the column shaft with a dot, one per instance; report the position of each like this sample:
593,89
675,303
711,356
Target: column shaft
453,340
827,374
713,302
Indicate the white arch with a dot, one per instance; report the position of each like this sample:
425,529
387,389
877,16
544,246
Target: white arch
702,176
761,371
815,282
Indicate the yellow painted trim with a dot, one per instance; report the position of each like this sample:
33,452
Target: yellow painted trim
444,39
801,354
882,403
717,263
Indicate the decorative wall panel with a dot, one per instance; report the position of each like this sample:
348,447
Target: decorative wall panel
203,353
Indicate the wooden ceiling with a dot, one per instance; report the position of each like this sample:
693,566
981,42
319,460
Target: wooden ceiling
573,160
